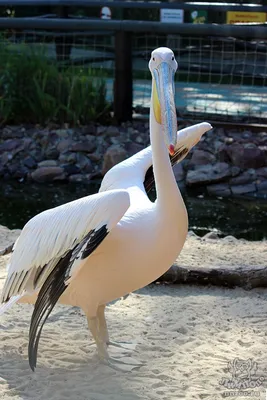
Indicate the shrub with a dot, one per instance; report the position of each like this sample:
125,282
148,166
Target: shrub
34,89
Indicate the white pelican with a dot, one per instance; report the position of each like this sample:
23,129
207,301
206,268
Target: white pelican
99,248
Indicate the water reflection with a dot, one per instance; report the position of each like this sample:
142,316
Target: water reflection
240,218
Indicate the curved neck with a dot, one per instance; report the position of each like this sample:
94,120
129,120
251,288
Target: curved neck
166,186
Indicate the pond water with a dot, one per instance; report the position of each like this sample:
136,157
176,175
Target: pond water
240,218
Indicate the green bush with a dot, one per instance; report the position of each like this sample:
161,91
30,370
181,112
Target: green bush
34,89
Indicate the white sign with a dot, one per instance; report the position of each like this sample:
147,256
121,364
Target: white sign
172,16
105,13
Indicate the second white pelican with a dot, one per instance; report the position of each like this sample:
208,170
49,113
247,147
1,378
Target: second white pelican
99,248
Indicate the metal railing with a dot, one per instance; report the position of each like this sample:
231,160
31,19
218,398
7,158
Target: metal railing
214,59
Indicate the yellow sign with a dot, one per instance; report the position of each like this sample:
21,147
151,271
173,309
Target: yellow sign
235,17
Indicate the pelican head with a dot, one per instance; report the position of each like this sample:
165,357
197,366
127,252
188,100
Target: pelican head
163,67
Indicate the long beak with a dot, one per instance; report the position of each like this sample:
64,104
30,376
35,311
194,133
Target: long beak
164,104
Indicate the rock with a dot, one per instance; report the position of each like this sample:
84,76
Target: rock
208,174
68,158
219,189
52,153
95,157
139,139
179,172
29,162
229,239
228,140
246,177
48,163
262,186
84,163
210,235
13,132
100,130
243,189
37,154
133,148
201,157
5,158
262,172
80,178
235,171
47,174
113,156
63,133
85,146
20,172
89,130
71,169
112,131
9,145
64,145
246,155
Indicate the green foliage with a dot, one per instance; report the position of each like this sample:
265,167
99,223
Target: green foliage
34,89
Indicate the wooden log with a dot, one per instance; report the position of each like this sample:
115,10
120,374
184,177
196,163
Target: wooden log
231,277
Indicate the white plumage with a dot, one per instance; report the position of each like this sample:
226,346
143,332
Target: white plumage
96,249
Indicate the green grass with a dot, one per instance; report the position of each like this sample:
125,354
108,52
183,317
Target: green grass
34,89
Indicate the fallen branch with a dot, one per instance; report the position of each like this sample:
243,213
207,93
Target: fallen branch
247,277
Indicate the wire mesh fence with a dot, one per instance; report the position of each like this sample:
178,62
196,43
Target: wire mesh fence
222,77
218,77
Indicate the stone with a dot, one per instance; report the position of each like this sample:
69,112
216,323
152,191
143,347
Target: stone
100,130
85,147
133,148
219,190
52,153
210,236
201,157
112,131
68,158
246,177
48,163
5,158
80,178
89,130
84,163
262,172
29,162
95,157
243,189
262,186
114,155
13,132
37,154
208,174
246,155
63,133
179,172
21,172
139,139
71,169
228,140
48,174
9,145
64,145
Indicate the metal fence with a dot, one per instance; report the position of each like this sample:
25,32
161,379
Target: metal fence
222,68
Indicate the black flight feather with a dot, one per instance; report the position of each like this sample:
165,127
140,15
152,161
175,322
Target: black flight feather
54,286
149,182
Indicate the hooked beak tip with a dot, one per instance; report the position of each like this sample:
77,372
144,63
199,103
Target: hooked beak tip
171,149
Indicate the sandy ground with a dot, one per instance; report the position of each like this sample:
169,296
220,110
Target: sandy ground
186,337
